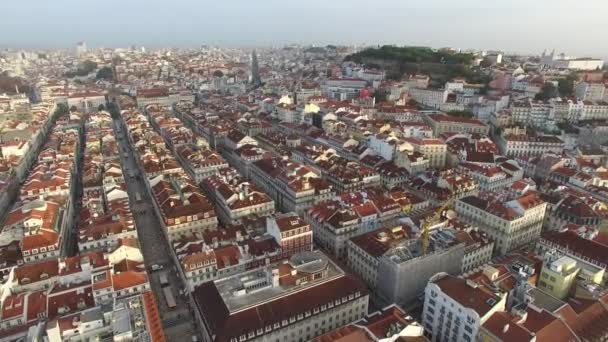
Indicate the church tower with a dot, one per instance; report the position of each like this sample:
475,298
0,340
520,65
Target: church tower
255,70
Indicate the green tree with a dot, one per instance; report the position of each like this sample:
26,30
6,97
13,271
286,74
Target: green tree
88,66
101,108
566,85
485,63
218,73
460,113
548,91
105,73
73,109
62,109
412,103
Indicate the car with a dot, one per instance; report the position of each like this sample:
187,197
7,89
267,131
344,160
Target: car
156,267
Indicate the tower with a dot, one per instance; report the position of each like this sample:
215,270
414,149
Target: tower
255,70
81,48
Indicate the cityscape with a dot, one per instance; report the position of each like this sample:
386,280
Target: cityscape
303,192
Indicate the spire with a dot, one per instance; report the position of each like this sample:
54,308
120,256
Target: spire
255,70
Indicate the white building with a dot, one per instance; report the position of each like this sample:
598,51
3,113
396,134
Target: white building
587,91
455,308
429,97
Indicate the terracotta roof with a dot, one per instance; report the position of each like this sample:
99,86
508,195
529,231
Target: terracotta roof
225,325
473,297
155,326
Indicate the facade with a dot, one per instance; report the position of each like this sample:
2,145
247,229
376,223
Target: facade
86,102
519,145
433,98
291,233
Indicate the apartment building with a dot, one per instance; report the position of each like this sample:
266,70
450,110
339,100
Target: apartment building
335,222
292,186
455,308
517,145
236,199
511,224
183,209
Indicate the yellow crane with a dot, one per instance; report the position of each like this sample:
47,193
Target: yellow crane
426,226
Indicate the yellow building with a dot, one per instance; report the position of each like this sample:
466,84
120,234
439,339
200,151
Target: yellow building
559,275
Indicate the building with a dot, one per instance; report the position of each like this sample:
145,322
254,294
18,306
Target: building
517,145
391,323
587,91
335,222
571,244
455,308
181,207
493,176
342,89
366,251
200,163
434,151
291,233
442,123
294,300
560,273
236,199
578,64
532,113
395,267
433,98
86,102
292,186
511,224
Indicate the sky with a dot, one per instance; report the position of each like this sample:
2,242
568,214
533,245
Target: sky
576,27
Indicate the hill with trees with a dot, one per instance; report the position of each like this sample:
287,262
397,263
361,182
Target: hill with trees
441,65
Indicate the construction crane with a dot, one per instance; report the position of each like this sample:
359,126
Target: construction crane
426,226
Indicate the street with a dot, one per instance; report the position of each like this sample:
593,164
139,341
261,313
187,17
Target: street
178,323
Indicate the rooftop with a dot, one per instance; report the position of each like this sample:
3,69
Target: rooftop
260,285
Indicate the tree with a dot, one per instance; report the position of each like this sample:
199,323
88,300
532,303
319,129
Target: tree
218,73
460,113
105,73
566,85
547,92
485,63
73,109
83,69
101,108
412,103
61,109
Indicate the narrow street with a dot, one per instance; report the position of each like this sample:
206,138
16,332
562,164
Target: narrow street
178,323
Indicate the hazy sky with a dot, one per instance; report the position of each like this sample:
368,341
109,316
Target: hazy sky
578,27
